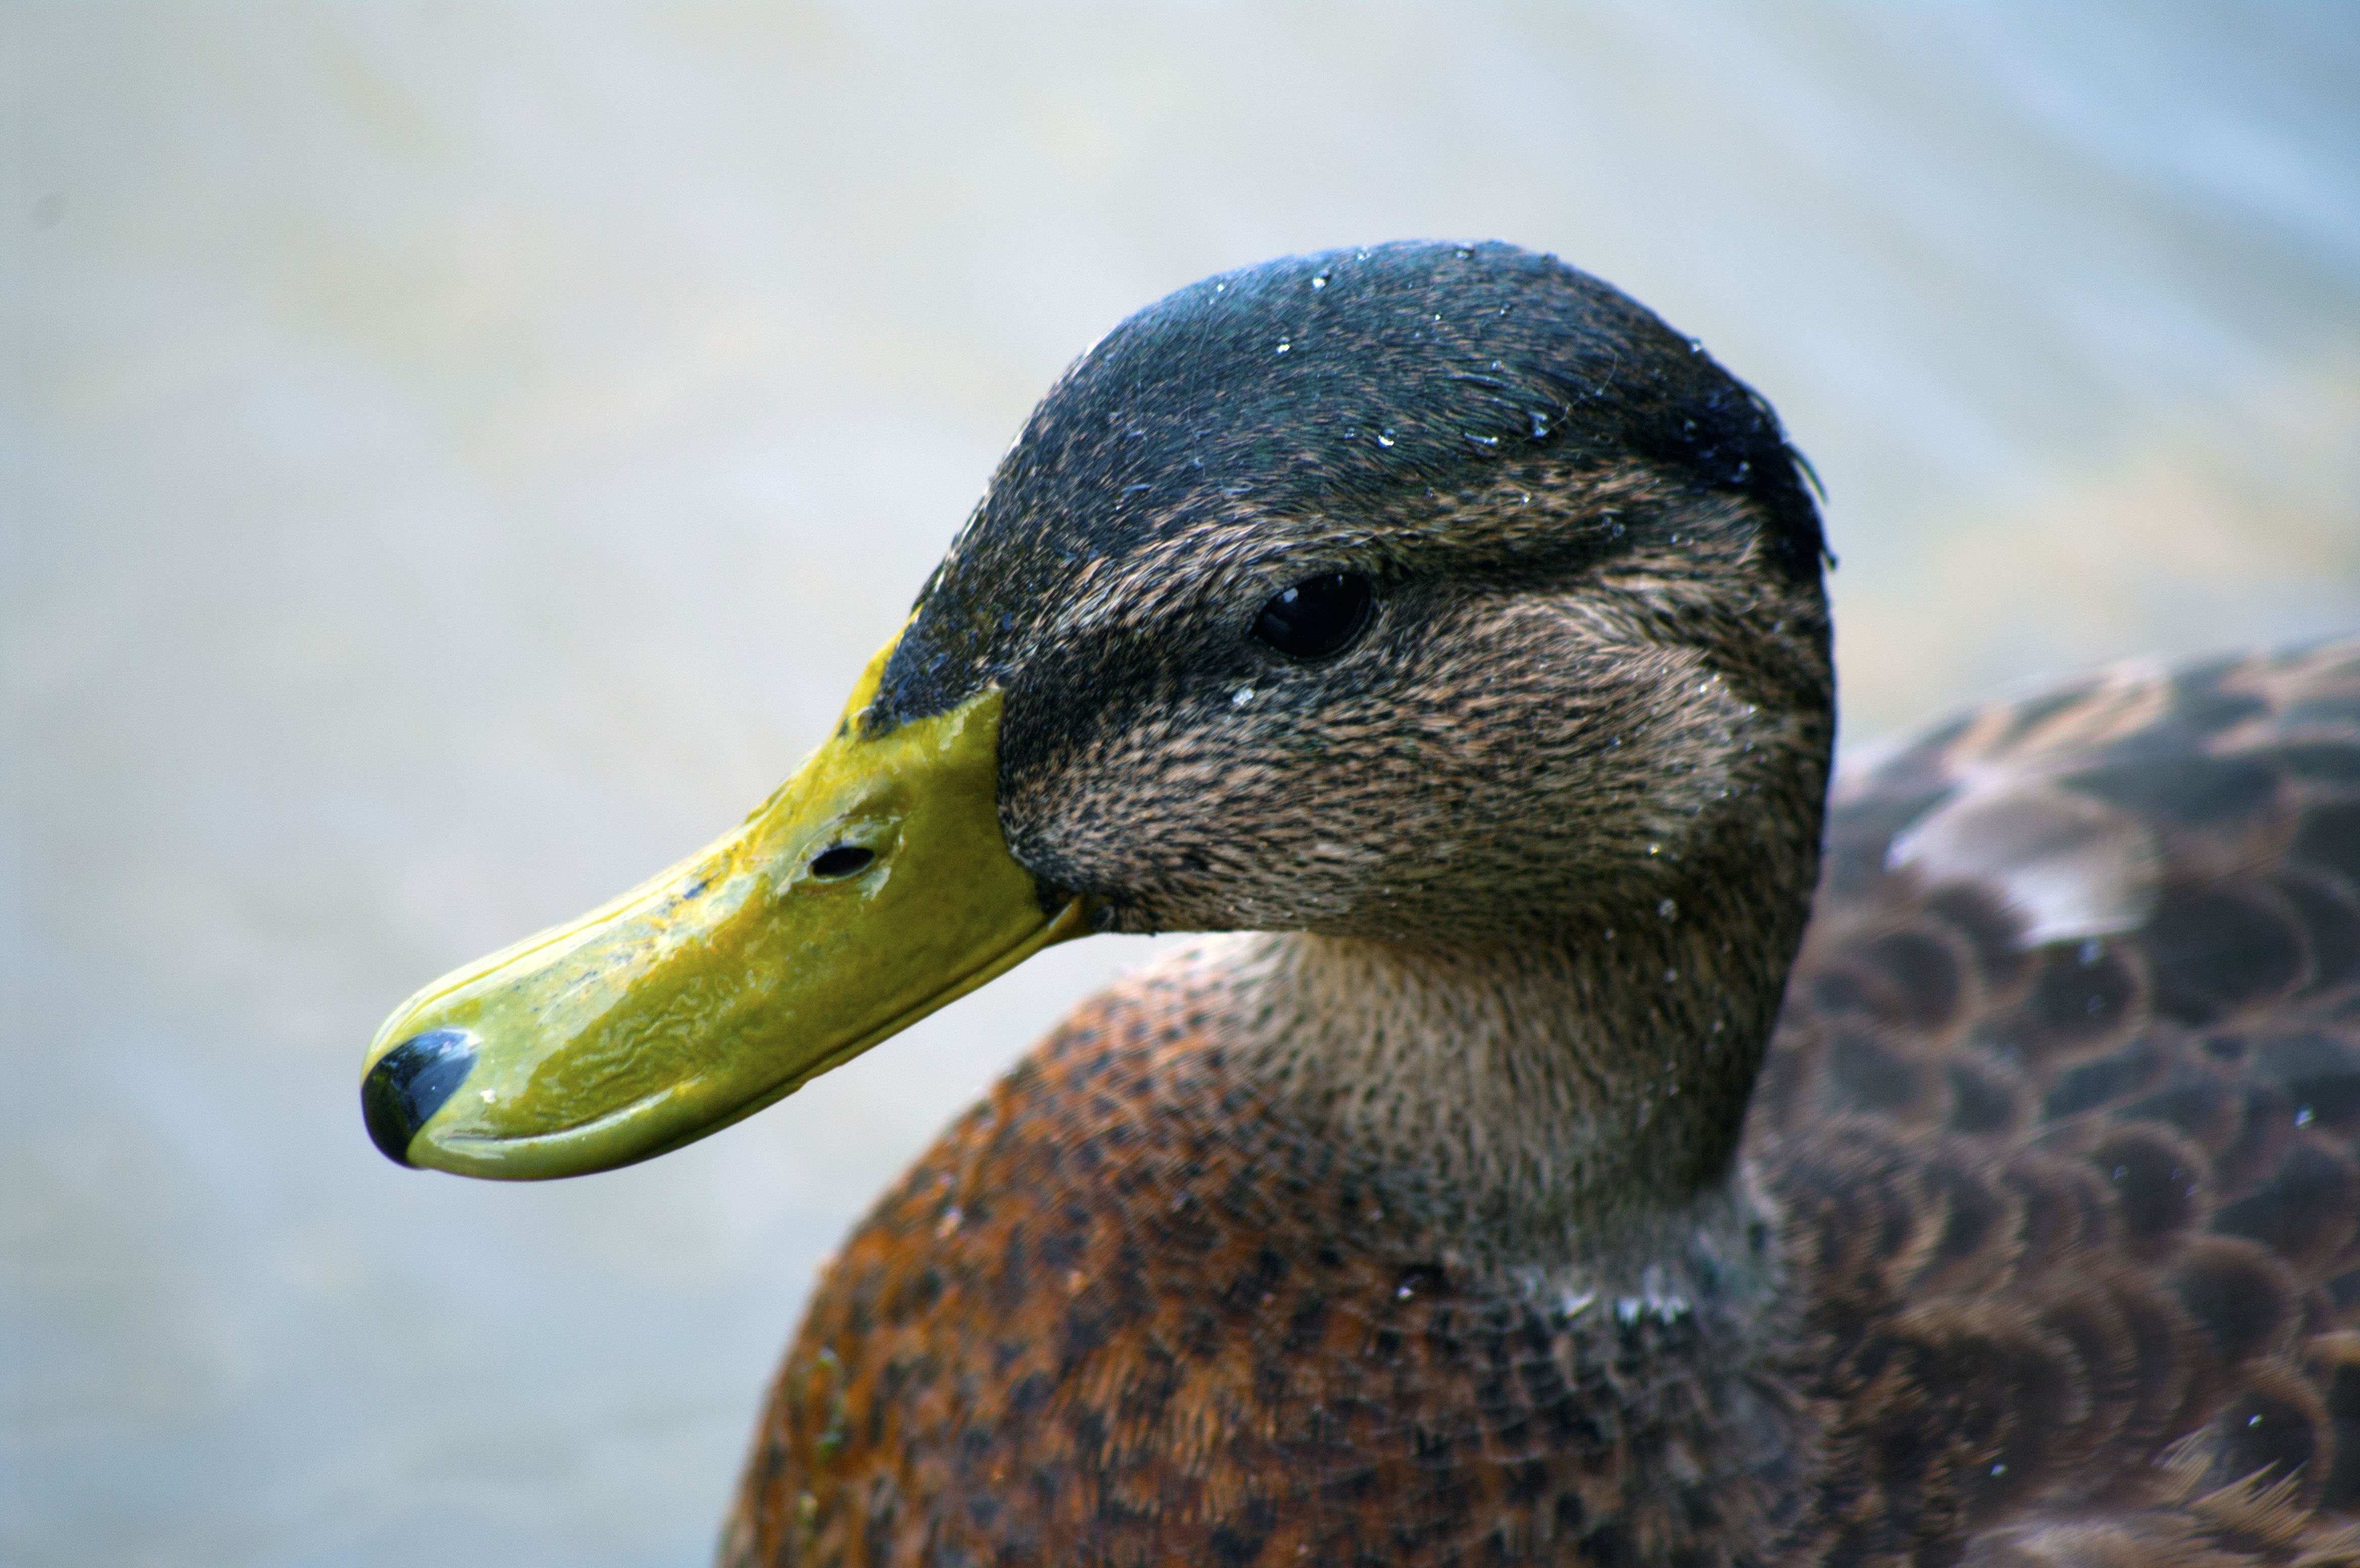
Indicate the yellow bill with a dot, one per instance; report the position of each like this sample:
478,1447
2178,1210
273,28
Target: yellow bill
871,889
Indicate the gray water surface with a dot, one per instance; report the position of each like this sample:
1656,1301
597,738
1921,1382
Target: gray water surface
455,460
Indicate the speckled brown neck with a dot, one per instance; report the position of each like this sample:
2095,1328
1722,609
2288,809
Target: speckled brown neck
1525,1106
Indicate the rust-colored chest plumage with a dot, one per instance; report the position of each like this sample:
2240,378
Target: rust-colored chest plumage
1128,1312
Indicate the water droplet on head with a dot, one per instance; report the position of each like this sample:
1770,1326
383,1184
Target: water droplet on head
1282,345
1319,281
1241,696
1385,438
1668,910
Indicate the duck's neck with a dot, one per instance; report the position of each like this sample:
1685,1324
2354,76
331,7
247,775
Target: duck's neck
1554,1125
1573,1102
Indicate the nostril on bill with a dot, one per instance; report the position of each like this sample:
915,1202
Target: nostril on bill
831,865
410,1083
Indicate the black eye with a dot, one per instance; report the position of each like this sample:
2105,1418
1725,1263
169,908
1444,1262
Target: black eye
1317,616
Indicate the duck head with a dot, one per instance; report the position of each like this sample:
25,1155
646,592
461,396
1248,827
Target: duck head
1428,595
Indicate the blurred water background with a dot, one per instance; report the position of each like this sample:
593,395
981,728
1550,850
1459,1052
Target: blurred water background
454,460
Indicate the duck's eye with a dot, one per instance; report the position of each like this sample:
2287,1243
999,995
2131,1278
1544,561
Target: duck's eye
1317,616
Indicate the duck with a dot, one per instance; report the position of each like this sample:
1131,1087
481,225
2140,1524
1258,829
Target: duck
1588,1129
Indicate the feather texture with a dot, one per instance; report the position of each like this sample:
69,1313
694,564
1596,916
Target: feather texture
2057,1143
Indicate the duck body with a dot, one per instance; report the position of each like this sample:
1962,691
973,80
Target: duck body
1137,1309
1580,1141
2039,1251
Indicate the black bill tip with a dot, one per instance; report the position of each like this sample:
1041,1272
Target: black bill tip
410,1083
